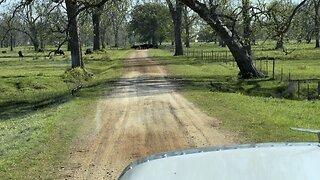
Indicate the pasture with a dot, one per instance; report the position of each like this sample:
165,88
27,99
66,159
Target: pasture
39,117
260,110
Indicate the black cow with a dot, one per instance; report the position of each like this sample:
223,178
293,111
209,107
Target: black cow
20,54
135,47
88,51
144,46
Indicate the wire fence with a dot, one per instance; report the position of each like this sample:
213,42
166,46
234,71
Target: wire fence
298,87
213,56
305,88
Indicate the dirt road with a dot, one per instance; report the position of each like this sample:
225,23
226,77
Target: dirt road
142,116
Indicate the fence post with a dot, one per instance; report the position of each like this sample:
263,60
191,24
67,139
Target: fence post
273,68
298,88
281,76
202,55
308,91
226,55
225,60
267,67
291,87
260,65
289,76
212,59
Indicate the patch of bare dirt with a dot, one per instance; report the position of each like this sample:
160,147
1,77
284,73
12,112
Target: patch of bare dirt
142,116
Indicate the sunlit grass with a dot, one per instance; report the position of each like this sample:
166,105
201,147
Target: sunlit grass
258,110
39,118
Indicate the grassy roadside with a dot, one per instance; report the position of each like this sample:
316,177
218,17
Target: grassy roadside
39,118
253,109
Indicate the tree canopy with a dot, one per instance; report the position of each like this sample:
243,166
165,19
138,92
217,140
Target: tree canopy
150,22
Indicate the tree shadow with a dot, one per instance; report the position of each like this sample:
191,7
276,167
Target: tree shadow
13,109
253,88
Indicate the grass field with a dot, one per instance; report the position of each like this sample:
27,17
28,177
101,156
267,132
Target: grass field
258,110
39,118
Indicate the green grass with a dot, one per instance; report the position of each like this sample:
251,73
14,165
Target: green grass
258,110
259,119
39,118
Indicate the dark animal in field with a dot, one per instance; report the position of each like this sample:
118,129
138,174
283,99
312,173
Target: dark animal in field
20,54
135,47
88,51
3,52
58,52
144,46
40,50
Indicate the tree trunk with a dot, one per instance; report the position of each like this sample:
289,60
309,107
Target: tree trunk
240,54
116,38
316,22
36,47
74,39
42,44
187,27
176,14
35,43
246,26
11,42
115,28
96,14
279,44
177,36
103,39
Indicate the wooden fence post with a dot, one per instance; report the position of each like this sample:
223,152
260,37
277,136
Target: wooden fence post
298,88
216,58
273,68
202,54
289,76
260,65
226,56
267,67
212,56
291,87
308,91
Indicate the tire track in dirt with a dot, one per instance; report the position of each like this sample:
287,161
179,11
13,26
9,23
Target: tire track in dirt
143,115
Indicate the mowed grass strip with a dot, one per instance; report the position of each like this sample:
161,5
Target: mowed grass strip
258,110
39,118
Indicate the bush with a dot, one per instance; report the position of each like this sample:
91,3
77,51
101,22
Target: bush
76,77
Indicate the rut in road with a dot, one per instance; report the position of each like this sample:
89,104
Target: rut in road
143,115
